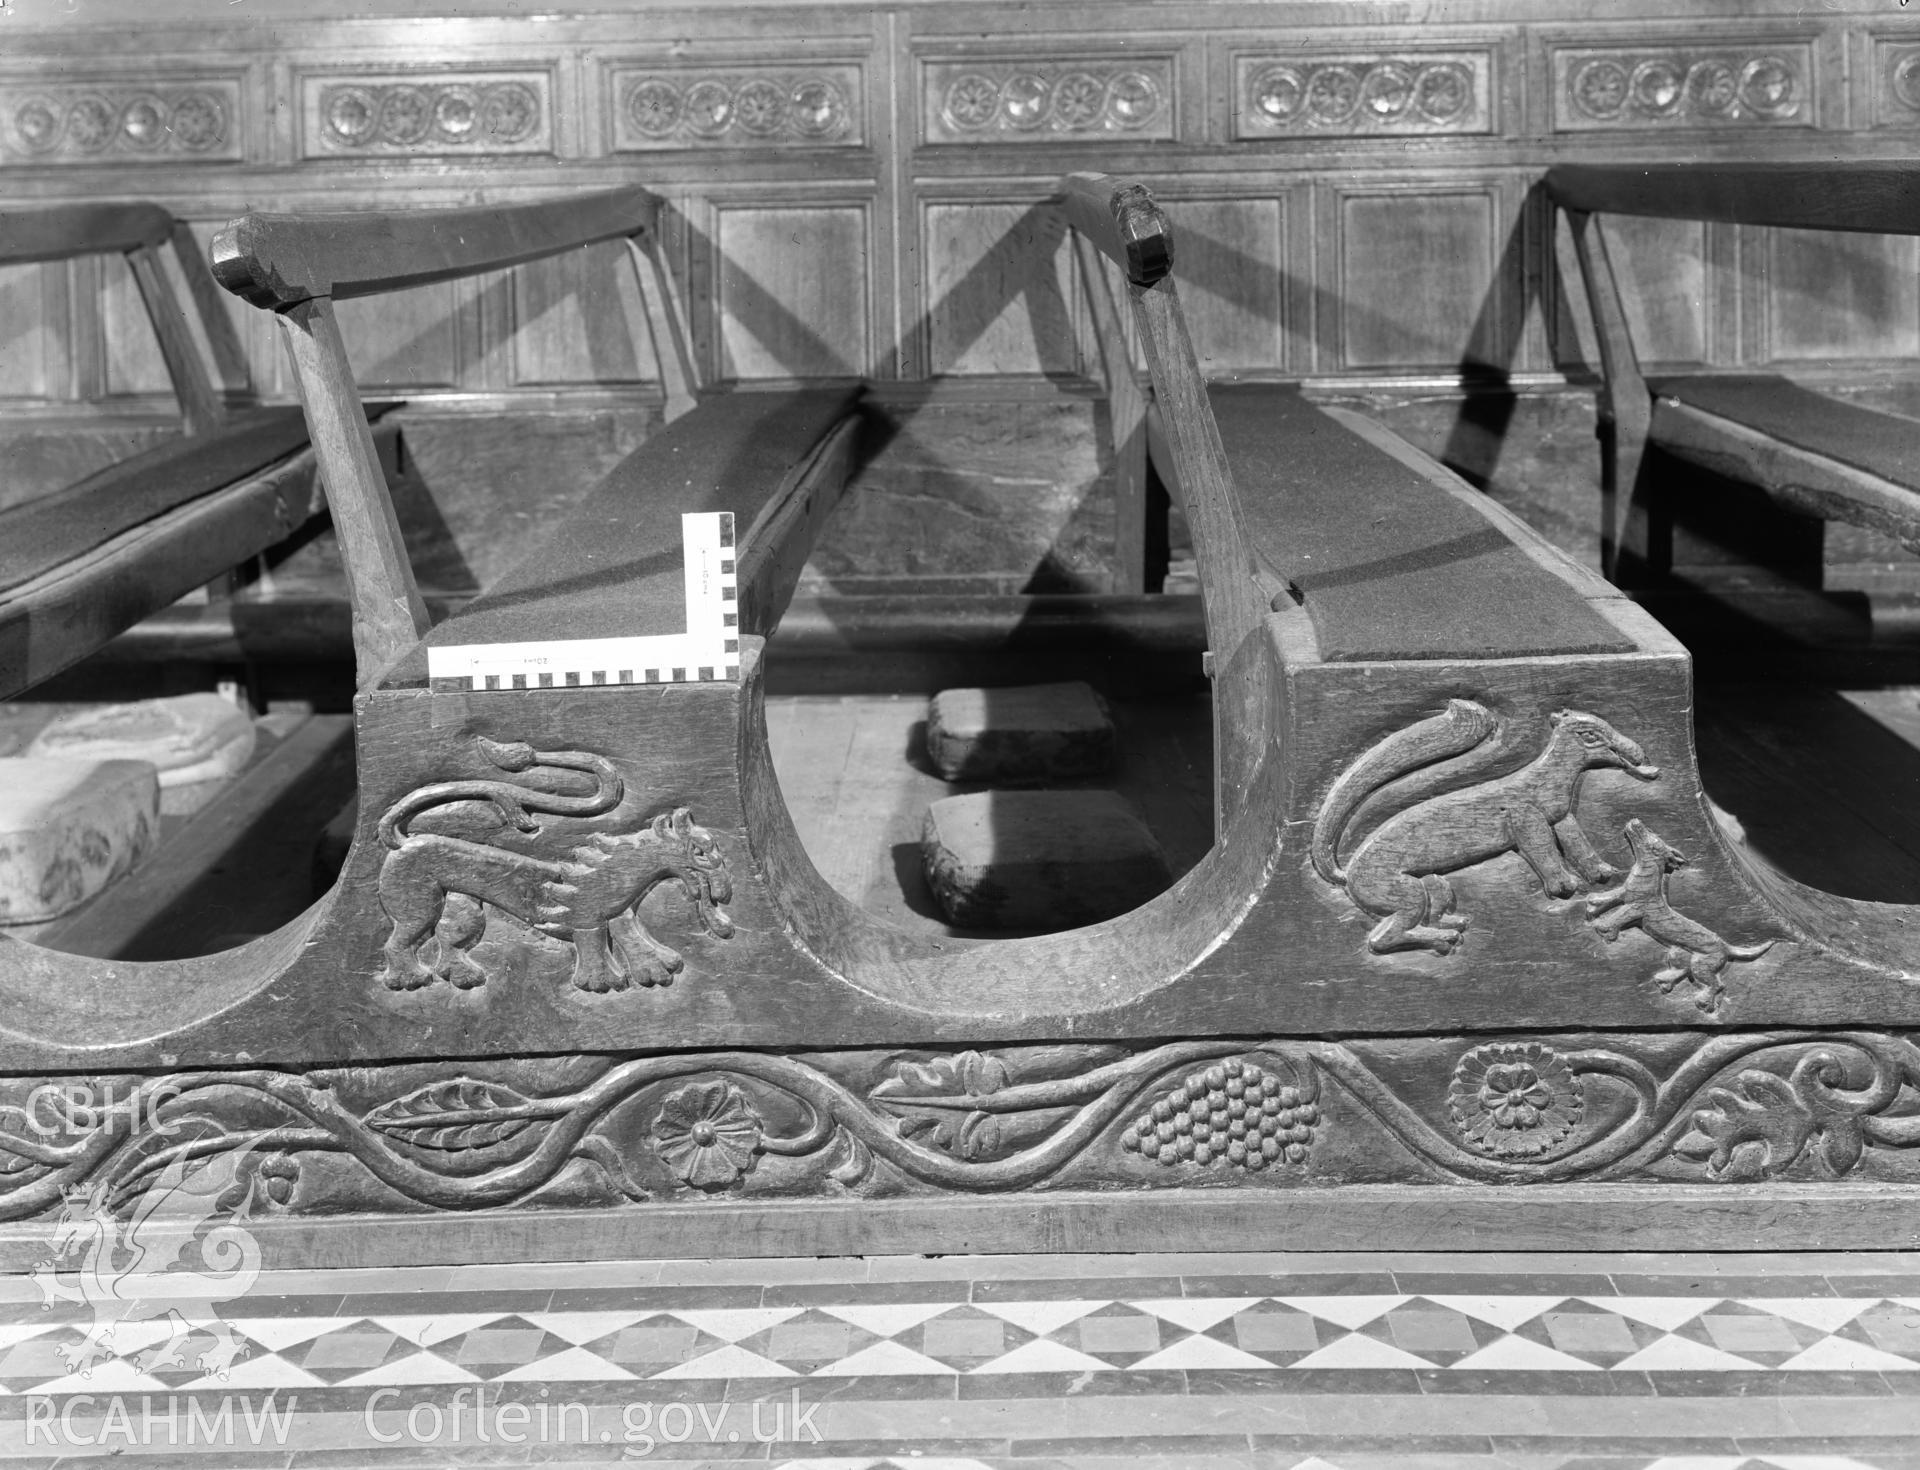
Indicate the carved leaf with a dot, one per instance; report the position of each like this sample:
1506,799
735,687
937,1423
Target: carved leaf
965,1074
442,1118
938,1083
1751,1130
856,1166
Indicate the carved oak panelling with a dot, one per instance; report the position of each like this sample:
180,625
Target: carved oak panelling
1666,261
1046,101
1756,85
1414,270
1841,295
1233,264
30,336
791,293
1353,95
817,106
131,353
995,303
405,339
569,326
1896,84
413,113
115,120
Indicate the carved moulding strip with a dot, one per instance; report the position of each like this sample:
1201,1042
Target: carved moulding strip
1758,84
1047,100
1360,94
1896,83
114,120
657,108
415,113
604,1130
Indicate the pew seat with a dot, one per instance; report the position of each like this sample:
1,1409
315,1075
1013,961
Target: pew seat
1810,452
1392,556
80,564
1467,922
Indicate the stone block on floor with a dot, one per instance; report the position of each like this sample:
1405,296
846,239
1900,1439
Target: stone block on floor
1031,733
68,828
198,742
1039,860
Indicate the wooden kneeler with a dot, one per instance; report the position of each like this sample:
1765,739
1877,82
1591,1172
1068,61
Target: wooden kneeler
1468,925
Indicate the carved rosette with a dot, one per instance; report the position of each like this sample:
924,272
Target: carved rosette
1896,101
1746,86
1360,95
427,115
113,122
741,107
1513,1101
1043,101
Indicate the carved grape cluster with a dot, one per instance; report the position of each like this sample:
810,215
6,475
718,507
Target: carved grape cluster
1233,1111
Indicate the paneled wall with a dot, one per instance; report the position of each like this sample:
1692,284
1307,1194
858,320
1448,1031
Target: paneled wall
855,188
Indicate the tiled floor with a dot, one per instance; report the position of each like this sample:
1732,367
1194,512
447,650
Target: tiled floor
1354,1362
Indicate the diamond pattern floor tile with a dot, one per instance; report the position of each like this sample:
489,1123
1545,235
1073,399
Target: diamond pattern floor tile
932,1382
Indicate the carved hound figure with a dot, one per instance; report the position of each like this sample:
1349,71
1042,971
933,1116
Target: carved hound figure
1694,951
435,888
1399,870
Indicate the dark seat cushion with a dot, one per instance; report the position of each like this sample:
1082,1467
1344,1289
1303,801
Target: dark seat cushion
612,567
1881,444
1389,564
41,535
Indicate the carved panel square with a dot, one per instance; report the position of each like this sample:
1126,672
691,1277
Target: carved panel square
1752,84
425,113
817,105
1896,83
1356,94
121,120
1048,100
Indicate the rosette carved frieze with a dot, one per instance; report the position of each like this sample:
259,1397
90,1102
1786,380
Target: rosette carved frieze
1362,94
468,112
1043,101
176,120
1762,85
658,108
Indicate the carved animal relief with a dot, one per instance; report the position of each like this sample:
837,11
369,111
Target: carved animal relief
1443,814
437,888
1694,952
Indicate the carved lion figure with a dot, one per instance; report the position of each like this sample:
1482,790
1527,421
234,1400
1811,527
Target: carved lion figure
435,888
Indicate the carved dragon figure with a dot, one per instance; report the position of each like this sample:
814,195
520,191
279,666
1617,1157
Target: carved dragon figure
126,1273
1399,869
435,888
1694,952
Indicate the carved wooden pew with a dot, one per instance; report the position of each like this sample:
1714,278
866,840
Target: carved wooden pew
1469,921
1811,453
80,565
